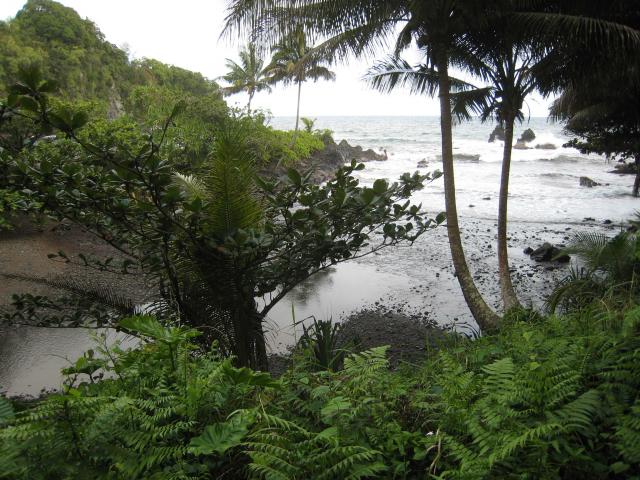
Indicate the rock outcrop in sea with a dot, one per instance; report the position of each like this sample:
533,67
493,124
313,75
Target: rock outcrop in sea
527,136
587,182
497,134
325,162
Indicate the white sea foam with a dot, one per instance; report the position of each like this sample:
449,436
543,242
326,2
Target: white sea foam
544,183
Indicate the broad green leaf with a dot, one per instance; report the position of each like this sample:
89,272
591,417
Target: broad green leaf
145,325
220,437
380,186
294,176
247,376
335,406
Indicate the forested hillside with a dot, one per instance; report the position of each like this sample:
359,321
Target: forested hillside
74,52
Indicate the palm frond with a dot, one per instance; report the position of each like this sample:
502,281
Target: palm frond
466,103
191,185
556,25
318,72
230,185
395,72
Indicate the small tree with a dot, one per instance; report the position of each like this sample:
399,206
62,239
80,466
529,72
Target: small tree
294,62
248,76
215,240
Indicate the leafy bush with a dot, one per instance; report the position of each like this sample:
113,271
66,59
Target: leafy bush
281,147
214,237
607,274
160,412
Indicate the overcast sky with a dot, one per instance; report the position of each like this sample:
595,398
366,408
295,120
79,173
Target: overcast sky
186,33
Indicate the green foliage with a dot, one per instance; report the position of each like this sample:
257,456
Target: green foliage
74,53
320,339
308,124
607,273
6,411
213,237
159,412
10,203
280,147
544,398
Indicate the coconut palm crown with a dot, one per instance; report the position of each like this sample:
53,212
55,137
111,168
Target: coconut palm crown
247,76
294,61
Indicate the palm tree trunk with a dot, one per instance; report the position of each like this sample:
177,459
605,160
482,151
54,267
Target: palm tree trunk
295,133
249,341
261,361
636,182
484,316
249,104
509,297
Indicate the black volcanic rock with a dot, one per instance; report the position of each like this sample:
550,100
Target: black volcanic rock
497,134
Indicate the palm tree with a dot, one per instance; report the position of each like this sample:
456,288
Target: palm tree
249,76
439,28
505,62
294,62
358,26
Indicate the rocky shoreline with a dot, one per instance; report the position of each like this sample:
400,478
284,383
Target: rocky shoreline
323,163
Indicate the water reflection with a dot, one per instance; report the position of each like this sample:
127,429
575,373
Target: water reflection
31,358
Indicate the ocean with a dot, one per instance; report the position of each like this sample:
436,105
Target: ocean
546,203
544,184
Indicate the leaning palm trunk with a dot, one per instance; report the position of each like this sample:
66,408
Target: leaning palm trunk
509,297
484,316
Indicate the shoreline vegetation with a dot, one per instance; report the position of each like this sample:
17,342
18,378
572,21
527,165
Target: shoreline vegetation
126,182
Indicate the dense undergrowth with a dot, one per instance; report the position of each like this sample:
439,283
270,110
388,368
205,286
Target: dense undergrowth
552,397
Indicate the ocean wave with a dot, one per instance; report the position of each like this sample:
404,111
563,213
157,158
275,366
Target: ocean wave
555,175
561,159
461,157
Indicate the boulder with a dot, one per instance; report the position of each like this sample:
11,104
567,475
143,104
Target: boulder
423,164
520,145
546,146
587,182
624,168
498,133
527,136
549,253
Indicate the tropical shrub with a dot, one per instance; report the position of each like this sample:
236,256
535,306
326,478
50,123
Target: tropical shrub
213,238
606,274
160,411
